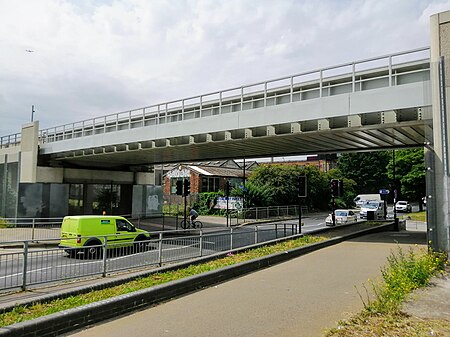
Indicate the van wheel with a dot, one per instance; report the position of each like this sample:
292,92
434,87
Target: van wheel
93,252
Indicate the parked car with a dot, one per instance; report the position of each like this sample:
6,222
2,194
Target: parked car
403,206
343,216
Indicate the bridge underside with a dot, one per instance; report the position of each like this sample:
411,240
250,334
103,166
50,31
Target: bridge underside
314,137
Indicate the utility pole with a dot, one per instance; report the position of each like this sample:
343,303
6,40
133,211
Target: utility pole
32,112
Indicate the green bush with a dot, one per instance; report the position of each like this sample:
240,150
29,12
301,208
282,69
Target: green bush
403,274
6,224
206,202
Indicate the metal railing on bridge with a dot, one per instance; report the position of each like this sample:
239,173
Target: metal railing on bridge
383,71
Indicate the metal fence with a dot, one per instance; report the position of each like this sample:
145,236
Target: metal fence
266,213
23,264
20,229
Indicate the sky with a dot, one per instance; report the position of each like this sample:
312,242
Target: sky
75,60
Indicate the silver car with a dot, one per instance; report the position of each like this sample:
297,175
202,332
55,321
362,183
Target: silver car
343,216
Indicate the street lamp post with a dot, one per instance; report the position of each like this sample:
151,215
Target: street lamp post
395,191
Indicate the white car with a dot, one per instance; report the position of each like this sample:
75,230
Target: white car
342,216
403,206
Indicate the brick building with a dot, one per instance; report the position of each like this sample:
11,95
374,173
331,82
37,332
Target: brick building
207,176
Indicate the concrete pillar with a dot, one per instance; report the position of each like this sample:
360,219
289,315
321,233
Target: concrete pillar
354,121
296,128
323,124
438,193
388,117
29,152
270,131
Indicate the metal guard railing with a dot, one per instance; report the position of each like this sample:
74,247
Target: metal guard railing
26,264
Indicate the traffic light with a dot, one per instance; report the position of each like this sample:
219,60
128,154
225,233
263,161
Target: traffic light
334,187
337,188
341,187
227,188
179,187
187,187
302,190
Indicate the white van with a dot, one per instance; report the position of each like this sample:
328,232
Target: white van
363,198
375,206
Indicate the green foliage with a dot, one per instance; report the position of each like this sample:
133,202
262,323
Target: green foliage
206,202
366,169
403,273
5,224
256,195
409,172
278,185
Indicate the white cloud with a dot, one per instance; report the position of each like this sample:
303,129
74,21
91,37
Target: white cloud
98,57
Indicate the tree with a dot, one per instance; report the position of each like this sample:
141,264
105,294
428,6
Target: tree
409,172
280,184
367,169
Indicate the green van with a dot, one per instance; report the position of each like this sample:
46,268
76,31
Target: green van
88,232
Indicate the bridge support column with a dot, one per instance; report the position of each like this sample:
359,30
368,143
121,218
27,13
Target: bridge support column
29,152
270,131
354,121
388,117
323,124
438,191
296,128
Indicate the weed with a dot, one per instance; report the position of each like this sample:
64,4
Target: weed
381,316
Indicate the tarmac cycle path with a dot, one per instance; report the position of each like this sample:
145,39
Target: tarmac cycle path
297,298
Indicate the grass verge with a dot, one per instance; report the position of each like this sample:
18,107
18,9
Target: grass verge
381,315
24,313
417,216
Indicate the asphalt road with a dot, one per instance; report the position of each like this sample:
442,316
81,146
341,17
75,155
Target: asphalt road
297,298
46,265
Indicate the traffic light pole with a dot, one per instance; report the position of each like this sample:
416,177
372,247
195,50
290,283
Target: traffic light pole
333,206
299,215
185,205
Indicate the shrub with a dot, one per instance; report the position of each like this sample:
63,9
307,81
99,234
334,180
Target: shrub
403,274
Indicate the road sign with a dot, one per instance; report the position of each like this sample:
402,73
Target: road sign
384,191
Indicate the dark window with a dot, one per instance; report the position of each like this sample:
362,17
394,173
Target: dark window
210,184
